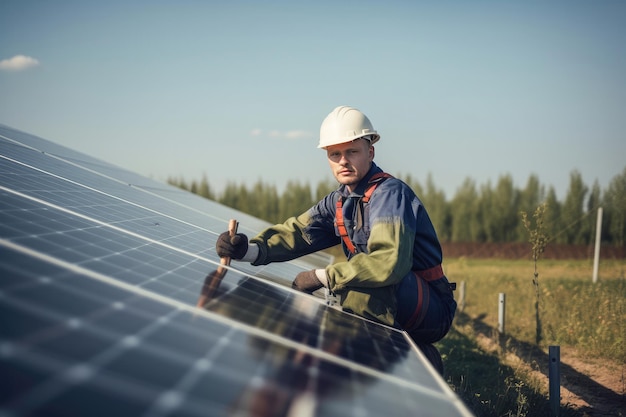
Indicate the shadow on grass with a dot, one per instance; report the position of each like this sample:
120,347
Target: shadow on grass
488,387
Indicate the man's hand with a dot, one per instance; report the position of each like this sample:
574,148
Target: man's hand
307,282
232,247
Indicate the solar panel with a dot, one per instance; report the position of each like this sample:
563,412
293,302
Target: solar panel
101,271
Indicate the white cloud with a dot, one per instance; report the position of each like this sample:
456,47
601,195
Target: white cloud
298,134
18,63
277,134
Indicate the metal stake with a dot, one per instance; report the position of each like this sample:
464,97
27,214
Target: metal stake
554,355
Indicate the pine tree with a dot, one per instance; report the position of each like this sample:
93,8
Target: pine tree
295,200
204,190
504,210
552,216
435,202
324,188
529,198
463,214
573,211
614,203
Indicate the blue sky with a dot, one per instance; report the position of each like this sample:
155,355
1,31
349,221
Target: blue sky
237,90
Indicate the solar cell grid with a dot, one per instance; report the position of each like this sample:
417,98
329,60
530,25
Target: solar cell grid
139,214
123,185
83,201
88,344
99,282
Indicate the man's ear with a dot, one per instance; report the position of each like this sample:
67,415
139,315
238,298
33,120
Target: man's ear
372,153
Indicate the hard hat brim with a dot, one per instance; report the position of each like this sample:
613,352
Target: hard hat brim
375,137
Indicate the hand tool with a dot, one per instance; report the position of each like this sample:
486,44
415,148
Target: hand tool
214,278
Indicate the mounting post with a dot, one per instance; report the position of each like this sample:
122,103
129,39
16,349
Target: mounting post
554,355
596,252
501,311
462,296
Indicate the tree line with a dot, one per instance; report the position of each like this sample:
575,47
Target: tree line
476,213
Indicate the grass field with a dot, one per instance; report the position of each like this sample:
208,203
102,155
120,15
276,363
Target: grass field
573,313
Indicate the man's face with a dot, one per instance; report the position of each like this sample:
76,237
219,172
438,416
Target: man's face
350,161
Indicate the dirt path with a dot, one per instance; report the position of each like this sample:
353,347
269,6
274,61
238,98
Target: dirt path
605,396
595,387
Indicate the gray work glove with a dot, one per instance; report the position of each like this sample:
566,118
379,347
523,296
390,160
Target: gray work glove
307,282
232,247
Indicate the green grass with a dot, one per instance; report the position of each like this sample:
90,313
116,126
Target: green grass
574,314
573,311
488,387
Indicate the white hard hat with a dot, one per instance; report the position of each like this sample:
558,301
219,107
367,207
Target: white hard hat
345,124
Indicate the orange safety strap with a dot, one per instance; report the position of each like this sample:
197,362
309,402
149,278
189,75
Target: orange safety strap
373,183
431,274
342,227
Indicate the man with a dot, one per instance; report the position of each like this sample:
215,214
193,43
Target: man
393,270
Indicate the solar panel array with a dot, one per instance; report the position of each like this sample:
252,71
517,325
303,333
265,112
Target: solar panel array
101,272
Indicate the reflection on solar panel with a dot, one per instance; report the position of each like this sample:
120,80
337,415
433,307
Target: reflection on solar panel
100,273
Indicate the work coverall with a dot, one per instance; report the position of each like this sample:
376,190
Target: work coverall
395,241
